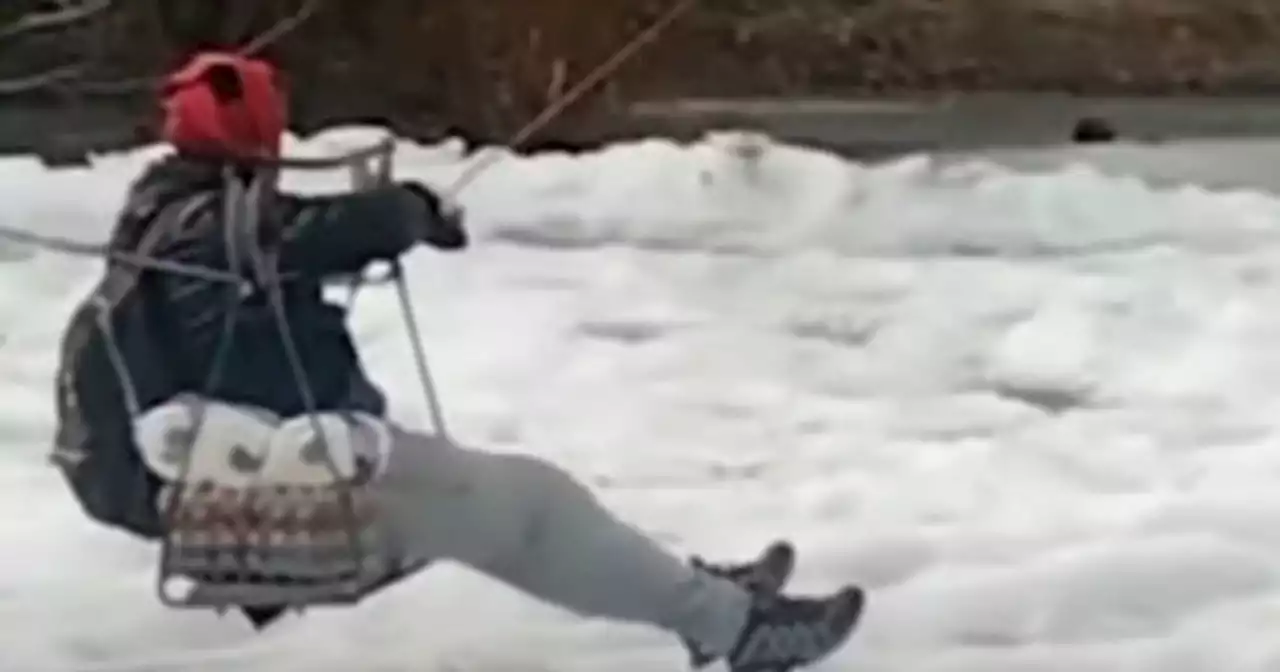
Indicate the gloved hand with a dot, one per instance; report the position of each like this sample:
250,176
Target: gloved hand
442,221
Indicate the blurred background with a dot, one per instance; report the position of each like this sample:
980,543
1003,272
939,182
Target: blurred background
78,73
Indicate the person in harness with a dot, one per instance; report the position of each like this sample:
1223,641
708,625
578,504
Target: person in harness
147,336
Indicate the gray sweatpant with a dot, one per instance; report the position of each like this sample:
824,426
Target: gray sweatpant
516,518
526,522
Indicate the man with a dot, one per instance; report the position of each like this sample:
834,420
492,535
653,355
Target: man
167,333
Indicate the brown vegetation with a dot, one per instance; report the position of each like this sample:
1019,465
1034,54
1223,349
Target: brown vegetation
488,66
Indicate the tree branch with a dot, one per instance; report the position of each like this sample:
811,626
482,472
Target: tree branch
68,14
281,28
18,85
72,12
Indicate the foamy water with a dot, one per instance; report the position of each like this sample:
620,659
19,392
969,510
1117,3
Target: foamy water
1036,415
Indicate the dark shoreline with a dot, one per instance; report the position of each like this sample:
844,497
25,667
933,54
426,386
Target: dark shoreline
860,128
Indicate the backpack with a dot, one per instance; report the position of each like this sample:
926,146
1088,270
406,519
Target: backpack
111,369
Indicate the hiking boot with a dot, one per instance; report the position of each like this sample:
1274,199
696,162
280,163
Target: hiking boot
784,633
763,577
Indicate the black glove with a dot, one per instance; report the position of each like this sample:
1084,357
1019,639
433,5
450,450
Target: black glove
441,224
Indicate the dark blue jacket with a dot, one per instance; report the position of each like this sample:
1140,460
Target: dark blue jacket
315,238
169,327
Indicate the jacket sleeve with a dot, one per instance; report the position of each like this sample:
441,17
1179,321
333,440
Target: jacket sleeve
336,235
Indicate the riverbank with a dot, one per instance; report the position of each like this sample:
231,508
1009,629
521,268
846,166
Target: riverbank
865,127
870,127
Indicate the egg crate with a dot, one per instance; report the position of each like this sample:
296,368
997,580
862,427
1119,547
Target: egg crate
270,545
